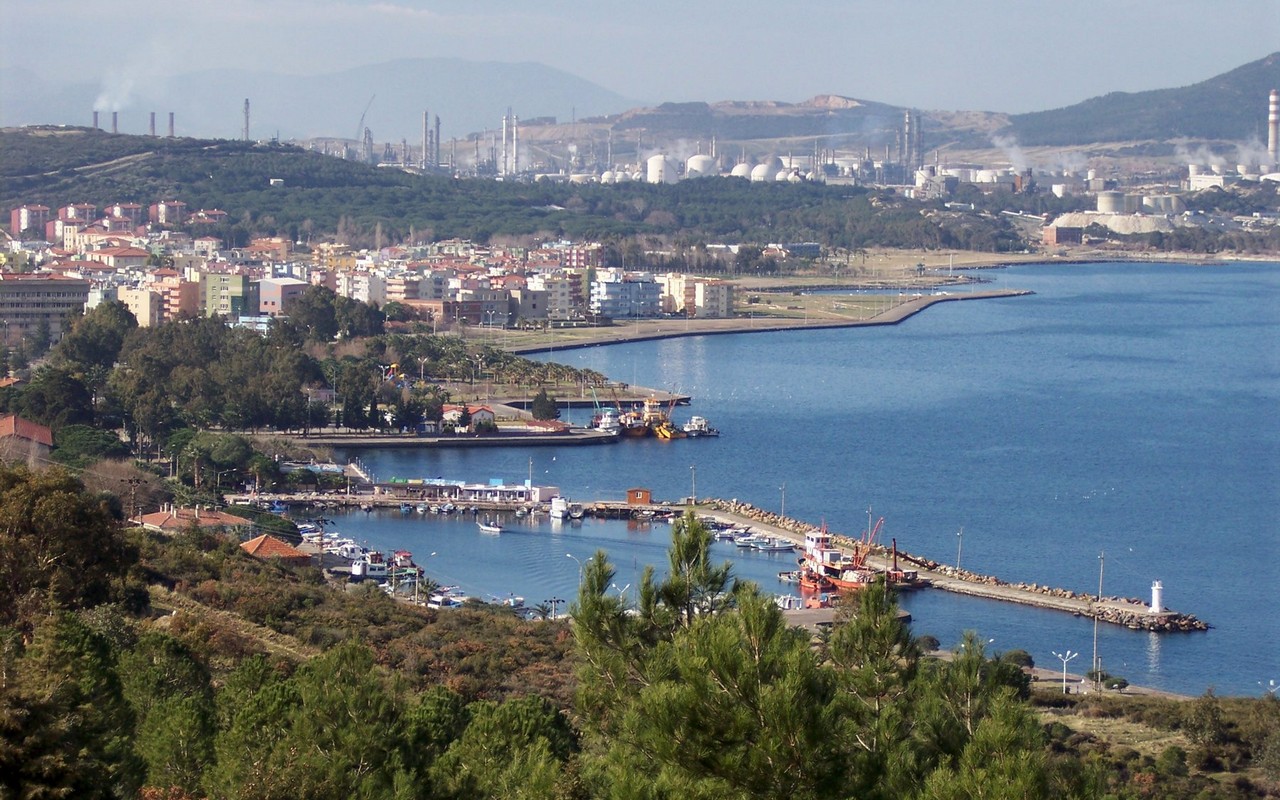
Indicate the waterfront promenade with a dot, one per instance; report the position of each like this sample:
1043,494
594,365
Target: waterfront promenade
900,308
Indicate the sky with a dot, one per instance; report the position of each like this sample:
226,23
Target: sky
993,55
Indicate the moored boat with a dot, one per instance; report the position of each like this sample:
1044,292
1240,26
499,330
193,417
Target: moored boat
559,507
487,526
698,427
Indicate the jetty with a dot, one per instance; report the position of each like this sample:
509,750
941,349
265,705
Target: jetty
1130,612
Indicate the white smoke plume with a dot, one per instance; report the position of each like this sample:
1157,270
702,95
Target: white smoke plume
1012,151
116,92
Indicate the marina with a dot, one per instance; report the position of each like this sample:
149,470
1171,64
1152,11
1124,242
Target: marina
1102,414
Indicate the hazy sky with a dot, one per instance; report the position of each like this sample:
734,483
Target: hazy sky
999,55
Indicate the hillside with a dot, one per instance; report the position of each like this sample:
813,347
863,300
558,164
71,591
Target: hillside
329,197
1231,106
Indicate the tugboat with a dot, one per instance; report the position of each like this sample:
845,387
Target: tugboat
824,568
698,427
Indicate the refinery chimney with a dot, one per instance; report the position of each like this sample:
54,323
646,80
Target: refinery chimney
115,118
170,124
95,119
1273,129
153,123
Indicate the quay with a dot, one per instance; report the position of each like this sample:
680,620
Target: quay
1131,613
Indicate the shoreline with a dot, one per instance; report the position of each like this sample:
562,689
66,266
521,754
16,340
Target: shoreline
652,330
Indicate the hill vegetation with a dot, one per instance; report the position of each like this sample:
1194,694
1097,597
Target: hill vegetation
179,667
1231,106
325,197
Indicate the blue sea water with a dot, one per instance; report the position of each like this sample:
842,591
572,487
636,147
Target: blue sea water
1127,411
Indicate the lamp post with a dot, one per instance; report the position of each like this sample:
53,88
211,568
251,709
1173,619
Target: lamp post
422,368
578,562
1097,667
783,511
959,545
693,479
1070,655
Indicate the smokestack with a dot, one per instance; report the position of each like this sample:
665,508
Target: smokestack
95,120
426,145
435,143
115,117
170,124
1273,129
153,123
246,119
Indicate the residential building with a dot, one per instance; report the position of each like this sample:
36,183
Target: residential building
559,293
625,295
28,218
180,298
28,299
228,295
275,294
530,305
147,305
168,212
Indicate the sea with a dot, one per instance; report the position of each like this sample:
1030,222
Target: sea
1119,426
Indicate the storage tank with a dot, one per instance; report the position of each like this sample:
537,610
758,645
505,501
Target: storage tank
794,177
762,172
581,177
1132,203
783,175
1110,202
606,176
1193,170
660,169
701,166
986,176
741,171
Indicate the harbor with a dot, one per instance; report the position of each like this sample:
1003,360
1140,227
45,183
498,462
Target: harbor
494,500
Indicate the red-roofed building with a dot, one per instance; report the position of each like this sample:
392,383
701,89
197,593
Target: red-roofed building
167,212
24,440
174,520
28,218
129,211
269,547
119,257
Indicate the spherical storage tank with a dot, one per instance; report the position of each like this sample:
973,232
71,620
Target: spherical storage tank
763,172
660,169
700,166
606,176
741,171
1110,202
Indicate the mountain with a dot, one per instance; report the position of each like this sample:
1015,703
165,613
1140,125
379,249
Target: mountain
467,95
1231,106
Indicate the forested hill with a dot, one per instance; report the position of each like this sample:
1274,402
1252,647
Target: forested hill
1230,106
325,197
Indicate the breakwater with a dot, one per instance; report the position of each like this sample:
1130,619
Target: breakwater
1129,612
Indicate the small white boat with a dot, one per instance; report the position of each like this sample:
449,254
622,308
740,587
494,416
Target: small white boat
576,511
421,508
486,526
559,508
698,426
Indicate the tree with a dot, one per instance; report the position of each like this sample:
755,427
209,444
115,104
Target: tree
510,749
59,548
68,682
544,407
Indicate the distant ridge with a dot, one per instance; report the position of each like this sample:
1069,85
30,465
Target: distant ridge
1230,106
467,95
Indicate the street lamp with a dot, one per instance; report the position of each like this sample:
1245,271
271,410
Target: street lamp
422,368
1070,655
578,562
693,478
1097,667
959,544
783,512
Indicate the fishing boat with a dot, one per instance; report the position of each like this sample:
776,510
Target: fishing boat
406,509
633,425
825,568
421,508
487,526
698,427
371,566
559,507
607,421
668,431
576,511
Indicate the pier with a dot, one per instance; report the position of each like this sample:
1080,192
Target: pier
1129,612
